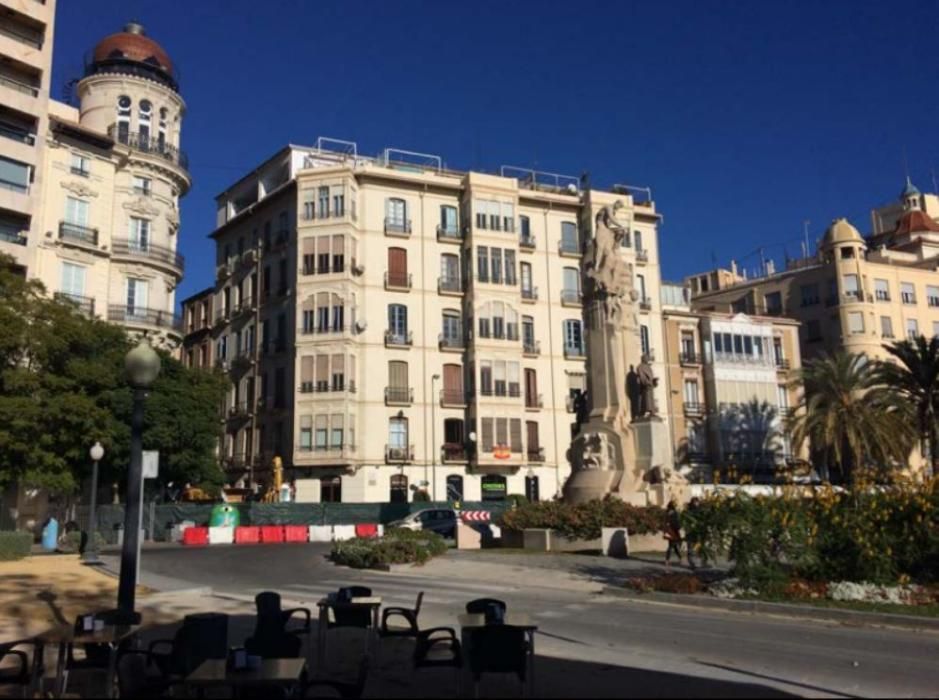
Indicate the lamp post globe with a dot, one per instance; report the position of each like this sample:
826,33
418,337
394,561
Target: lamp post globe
96,452
142,365
90,551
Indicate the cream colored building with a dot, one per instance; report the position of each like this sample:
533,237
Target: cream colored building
856,293
391,325
110,179
26,38
730,389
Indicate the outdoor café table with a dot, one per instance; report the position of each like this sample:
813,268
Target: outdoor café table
327,604
272,673
469,622
65,636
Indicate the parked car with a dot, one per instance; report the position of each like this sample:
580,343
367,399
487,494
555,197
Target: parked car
439,520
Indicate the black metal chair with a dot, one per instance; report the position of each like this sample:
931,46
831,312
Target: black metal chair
352,616
481,606
439,647
21,675
272,615
498,649
407,614
91,656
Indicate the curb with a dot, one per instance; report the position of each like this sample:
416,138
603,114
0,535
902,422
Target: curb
850,617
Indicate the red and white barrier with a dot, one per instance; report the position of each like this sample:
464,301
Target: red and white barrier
196,536
247,535
275,534
320,533
296,533
221,535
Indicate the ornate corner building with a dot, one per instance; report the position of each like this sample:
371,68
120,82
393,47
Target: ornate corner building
89,194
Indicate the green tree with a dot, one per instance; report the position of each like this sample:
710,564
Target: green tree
849,417
915,377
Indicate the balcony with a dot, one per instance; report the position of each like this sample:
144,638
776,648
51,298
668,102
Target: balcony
222,317
531,348
139,316
451,343
534,403
14,236
150,145
17,133
882,295
399,455
398,227
240,411
84,305
530,294
642,256
448,235
399,281
76,233
19,86
571,297
574,353
689,358
125,247
450,286
452,398
526,243
326,330
328,455
693,408
569,249
399,340
783,365
399,396
535,454
645,304
454,453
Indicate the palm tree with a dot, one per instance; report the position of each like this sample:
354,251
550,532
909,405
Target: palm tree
850,417
915,377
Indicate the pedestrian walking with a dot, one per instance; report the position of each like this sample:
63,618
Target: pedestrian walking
672,533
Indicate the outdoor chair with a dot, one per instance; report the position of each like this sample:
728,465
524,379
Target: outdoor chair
272,616
90,656
200,637
481,606
498,649
20,675
408,615
439,648
353,617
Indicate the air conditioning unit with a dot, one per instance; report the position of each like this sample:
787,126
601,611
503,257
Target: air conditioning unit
358,269
360,326
397,453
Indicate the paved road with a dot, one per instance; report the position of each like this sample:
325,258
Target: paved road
665,650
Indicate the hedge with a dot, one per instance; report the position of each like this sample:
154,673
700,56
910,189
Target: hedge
398,546
15,545
584,521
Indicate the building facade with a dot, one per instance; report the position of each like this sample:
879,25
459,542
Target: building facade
731,389
391,326
26,39
109,180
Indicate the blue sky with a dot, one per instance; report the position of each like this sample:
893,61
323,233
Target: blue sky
745,118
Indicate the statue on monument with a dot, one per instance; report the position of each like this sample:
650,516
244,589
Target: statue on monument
609,276
647,381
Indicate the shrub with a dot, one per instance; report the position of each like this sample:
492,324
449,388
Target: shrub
70,542
584,521
15,545
516,500
421,496
398,546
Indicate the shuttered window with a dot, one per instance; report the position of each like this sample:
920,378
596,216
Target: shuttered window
322,372
339,372
534,443
515,435
486,429
339,253
502,431
397,267
307,368
398,375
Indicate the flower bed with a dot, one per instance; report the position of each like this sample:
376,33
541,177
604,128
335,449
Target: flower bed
586,520
398,546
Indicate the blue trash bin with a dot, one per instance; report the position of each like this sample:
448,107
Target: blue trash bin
50,535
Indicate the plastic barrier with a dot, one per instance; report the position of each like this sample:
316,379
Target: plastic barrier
343,532
247,535
295,533
272,533
196,536
366,530
321,533
221,535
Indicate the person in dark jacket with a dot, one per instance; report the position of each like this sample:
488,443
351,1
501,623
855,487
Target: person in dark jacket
672,533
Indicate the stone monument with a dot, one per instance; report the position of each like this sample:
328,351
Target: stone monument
619,450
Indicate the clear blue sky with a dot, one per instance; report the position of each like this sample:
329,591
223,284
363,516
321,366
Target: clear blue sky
745,118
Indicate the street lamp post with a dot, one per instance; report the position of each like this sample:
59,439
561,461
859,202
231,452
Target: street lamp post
90,555
433,436
142,365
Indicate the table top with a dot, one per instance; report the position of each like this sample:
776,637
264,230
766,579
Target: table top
271,671
66,634
470,621
333,603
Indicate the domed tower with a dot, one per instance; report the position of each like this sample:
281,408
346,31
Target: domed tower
130,91
844,249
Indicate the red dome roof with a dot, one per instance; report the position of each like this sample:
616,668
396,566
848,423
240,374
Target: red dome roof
132,44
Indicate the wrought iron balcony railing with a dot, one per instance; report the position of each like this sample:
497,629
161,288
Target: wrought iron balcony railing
76,233
149,144
138,315
125,246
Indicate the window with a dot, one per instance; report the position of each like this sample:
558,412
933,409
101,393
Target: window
448,219
851,288
143,122
482,263
644,339
855,322
399,489
641,288
886,327
142,185
123,118
778,356
398,268
398,433
485,377
80,165
309,210
398,386
396,215
525,225
882,290
508,217
73,279
571,290
450,271
912,328
510,278
774,304
638,237
907,293
573,337
691,393
139,234
782,397
339,203
527,288
528,332
331,490
162,133
809,294
336,432
687,344
76,212
496,257
221,348
932,295
323,204
398,322
306,433
569,241
136,294
454,481
452,329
